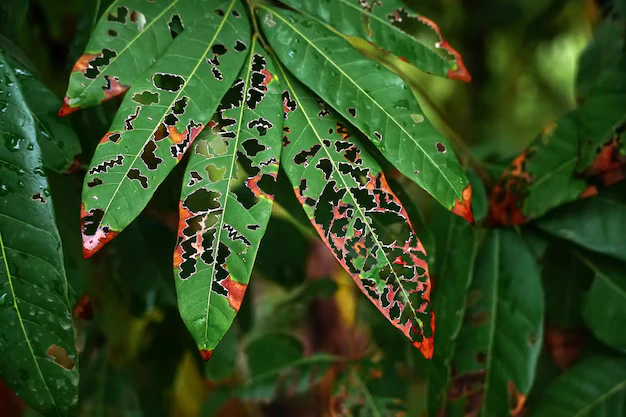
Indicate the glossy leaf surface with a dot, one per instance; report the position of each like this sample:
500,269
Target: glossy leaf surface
499,343
159,119
595,387
457,248
128,38
604,308
389,24
373,99
38,357
597,223
346,196
226,202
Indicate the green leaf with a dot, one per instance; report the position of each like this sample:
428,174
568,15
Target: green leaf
499,343
393,27
457,245
158,121
226,204
346,196
373,99
594,387
37,352
128,38
604,308
58,142
569,160
597,223
278,368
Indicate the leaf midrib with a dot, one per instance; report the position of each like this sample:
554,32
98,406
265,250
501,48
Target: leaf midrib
193,72
20,320
426,155
336,169
228,185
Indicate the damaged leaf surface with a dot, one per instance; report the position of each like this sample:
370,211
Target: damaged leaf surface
346,196
158,121
390,25
373,99
500,340
38,357
226,202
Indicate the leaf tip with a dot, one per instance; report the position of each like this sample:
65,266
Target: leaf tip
463,207
206,354
426,347
66,109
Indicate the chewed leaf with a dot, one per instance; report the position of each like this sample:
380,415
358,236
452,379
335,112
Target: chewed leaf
158,121
373,99
390,25
129,37
38,358
226,202
345,195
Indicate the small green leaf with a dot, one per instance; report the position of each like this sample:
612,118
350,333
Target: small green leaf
158,121
594,387
346,196
226,202
500,341
597,223
604,308
393,27
128,38
38,358
373,99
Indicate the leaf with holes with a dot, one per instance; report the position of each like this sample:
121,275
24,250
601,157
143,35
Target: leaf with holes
457,248
37,349
158,121
226,202
390,25
373,99
346,196
604,308
571,159
129,37
500,340
594,387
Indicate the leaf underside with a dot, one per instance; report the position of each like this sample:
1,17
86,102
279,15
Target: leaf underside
373,99
226,202
37,349
158,121
346,196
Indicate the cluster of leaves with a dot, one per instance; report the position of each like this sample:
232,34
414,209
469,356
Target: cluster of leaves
238,93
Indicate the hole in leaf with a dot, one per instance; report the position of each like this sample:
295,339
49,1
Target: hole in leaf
441,147
119,16
168,82
139,18
111,33
253,147
202,200
60,357
146,98
176,26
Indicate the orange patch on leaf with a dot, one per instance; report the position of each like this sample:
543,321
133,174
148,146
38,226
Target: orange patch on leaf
66,109
93,243
83,308
236,292
516,399
183,215
564,345
464,208
114,89
460,73
83,62
60,357
506,201
427,345
206,354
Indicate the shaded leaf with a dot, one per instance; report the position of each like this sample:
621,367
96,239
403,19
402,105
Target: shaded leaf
570,159
38,357
594,387
129,36
604,308
226,202
597,223
457,244
346,196
278,368
499,343
393,27
158,120
373,99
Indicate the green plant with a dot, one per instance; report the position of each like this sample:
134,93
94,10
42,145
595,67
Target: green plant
239,92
